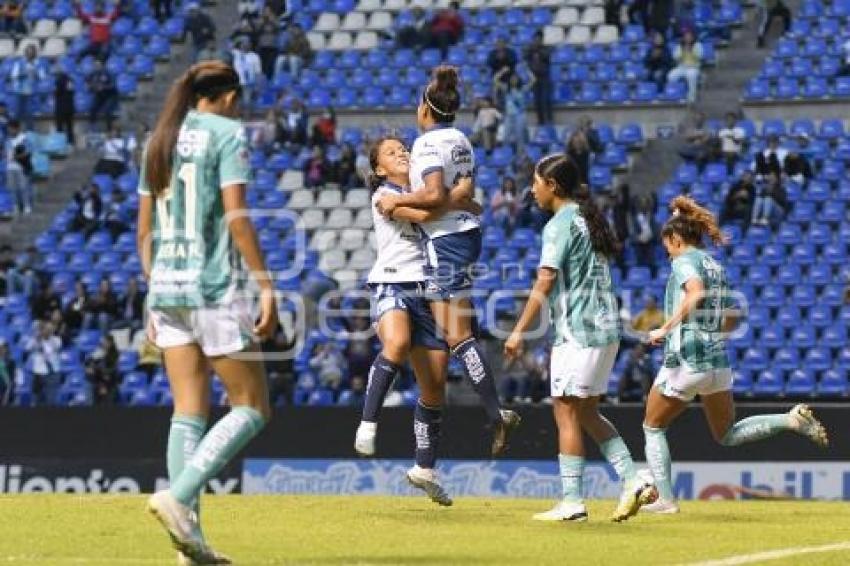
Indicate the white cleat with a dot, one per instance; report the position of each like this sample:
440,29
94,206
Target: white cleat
182,526
636,493
661,507
364,440
426,480
214,558
564,511
808,425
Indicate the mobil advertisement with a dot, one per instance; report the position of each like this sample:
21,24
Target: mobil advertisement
539,478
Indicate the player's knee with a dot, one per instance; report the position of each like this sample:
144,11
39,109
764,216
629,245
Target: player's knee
396,349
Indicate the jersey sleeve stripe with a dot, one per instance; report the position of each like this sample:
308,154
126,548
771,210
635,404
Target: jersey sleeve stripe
432,169
229,182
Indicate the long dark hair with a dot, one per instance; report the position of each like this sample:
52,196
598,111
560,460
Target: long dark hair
374,181
564,173
208,79
691,222
441,96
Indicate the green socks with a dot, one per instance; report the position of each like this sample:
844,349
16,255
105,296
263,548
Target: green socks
183,437
218,447
572,470
756,428
618,455
658,458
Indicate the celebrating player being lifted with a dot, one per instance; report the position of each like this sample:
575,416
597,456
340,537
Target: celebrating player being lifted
699,311
440,158
193,233
574,274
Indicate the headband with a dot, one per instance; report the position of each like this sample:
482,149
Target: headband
433,107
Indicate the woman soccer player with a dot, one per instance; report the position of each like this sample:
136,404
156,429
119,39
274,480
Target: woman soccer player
405,324
440,157
698,310
193,234
574,274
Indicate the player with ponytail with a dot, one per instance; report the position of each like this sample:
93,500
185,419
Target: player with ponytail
194,233
574,275
698,312
440,159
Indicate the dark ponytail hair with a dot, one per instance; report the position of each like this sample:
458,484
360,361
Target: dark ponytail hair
441,96
208,79
564,173
374,181
692,223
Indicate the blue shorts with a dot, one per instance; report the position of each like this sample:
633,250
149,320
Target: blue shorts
449,261
408,297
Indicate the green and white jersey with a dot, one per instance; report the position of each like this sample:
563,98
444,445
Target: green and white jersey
582,304
195,262
698,340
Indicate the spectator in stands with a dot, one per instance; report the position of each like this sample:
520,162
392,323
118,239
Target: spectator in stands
416,34
346,168
45,302
7,374
359,353
43,349
130,307
769,9
660,14
12,18
7,266
297,53
797,167
643,231
317,169
268,31
324,128
650,318
486,124
732,138
293,126
24,77
582,143
361,163
4,121
23,277
201,29
505,205
116,153
538,57
514,94
102,371
698,139
100,28
525,378
115,220
844,69
101,308
738,205
63,104
357,393
658,61
327,361
447,28
162,9
502,61
102,85
637,376
250,70
771,159
688,57
771,201
264,135
613,14
76,307
89,209
249,8
279,364
150,357
19,168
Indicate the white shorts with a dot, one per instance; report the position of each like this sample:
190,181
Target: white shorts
685,384
218,330
576,371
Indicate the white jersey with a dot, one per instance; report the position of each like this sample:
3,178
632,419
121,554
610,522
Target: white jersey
400,257
446,149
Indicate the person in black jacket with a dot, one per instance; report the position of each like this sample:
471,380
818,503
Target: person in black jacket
90,209
63,97
738,206
131,306
102,85
538,58
658,61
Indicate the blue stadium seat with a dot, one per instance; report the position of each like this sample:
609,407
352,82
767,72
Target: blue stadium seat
818,191
769,383
803,296
820,275
321,398
757,89
786,358
788,275
742,382
831,129
788,316
833,382
833,211
772,336
772,254
803,254
804,336
820,316
834,336
645,92
801,383
759,275
832,295
755,359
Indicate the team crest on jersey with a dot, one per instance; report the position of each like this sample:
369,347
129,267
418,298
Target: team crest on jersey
461,155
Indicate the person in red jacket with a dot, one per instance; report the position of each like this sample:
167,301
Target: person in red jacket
100,28
447,28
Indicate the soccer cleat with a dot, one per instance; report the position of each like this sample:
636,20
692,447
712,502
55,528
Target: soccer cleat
181,524
636,493
426,480
808,425
214,558
564,511
661,507
364,439
502,430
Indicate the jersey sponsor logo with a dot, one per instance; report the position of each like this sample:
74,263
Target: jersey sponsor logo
192,143
461,155
178,250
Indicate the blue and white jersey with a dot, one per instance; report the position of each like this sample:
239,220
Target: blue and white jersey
448,150
400,256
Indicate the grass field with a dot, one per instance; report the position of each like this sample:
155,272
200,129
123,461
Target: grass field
55,530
